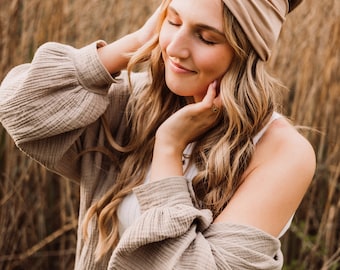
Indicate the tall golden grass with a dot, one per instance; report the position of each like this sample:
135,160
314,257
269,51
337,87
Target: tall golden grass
38,210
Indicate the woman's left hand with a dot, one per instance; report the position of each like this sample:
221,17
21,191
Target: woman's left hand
179,130
190,122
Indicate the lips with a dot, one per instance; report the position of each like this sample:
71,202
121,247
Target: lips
179,68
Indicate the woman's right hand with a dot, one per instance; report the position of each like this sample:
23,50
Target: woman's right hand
147,31
114,56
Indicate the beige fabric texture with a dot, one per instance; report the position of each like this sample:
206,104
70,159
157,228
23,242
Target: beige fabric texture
52,109
261,20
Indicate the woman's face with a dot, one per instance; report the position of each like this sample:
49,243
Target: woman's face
194,48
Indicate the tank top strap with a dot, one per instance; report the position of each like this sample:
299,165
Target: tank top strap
258,136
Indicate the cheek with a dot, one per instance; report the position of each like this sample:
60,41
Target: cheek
164,38
217,63
161,41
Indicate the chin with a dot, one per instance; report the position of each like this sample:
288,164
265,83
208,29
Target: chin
179,90
179,93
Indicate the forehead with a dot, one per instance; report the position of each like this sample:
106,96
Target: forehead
208,12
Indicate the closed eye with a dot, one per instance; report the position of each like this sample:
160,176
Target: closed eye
173,23
208,42
200,36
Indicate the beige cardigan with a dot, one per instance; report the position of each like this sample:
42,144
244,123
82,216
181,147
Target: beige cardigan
52,110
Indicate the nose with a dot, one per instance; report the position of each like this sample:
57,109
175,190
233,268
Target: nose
179,45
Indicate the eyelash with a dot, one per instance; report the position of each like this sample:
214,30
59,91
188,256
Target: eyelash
172,23
209,43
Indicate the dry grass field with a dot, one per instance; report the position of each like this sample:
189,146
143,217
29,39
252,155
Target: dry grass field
38,210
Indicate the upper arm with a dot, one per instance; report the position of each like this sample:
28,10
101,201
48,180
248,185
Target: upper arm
278,176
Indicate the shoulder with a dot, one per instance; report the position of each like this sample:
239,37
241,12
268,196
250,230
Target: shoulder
284,159
282,144
275,181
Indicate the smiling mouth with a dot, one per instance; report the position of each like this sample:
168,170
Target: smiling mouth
179,68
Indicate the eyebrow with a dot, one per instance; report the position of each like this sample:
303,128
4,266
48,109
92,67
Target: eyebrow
201,25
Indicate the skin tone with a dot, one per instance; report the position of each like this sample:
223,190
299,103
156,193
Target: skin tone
194,48
283,163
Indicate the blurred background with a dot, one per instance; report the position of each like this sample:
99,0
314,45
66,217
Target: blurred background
38,210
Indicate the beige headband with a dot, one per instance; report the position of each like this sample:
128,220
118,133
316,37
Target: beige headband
261,20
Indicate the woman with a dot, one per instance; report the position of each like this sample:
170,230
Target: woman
186,165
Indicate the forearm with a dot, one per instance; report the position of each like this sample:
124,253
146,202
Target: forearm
115,56
46,105
180,129
166,162
172,233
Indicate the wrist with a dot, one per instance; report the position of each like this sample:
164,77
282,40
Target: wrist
166,161
166,144
141,38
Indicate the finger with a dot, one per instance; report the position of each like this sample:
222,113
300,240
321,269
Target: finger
208,99
213,100
217,102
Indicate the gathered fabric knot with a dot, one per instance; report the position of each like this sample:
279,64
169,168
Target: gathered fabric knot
261,20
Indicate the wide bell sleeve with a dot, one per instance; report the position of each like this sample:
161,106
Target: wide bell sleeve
172,234
46,105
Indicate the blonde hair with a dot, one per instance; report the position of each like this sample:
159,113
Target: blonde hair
221,156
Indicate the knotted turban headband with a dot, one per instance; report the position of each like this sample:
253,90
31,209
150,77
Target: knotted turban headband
261,20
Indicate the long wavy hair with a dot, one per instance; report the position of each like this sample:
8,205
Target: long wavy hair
221,155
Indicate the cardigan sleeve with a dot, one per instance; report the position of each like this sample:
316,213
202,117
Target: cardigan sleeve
46,105
173,234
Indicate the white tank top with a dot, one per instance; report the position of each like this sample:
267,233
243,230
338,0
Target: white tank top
128,210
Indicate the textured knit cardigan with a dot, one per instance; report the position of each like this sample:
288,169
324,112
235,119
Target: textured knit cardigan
52,109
